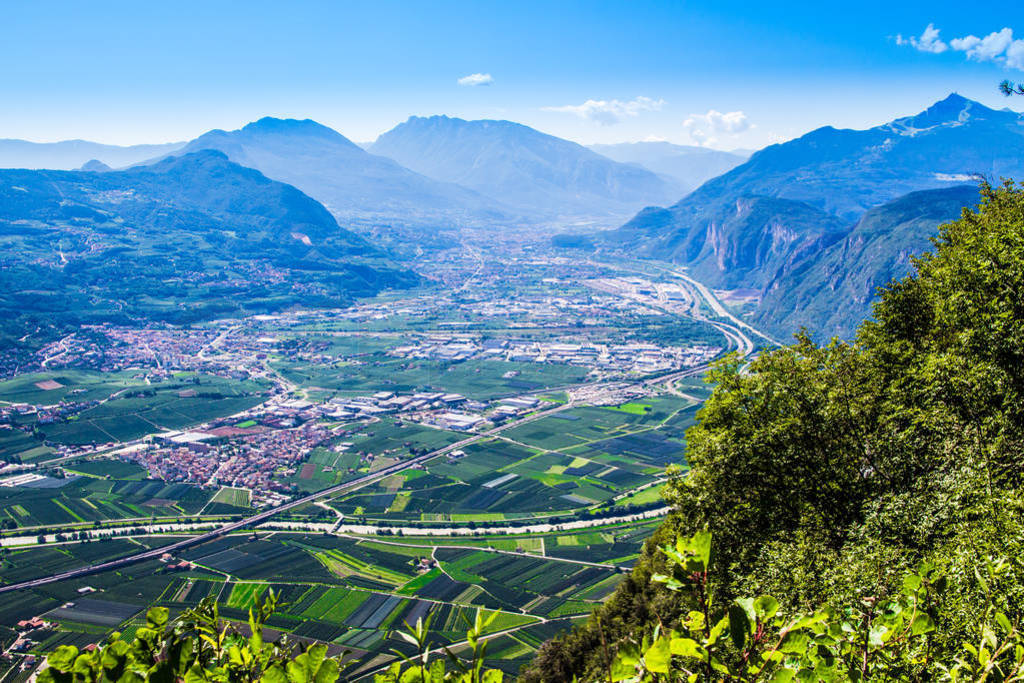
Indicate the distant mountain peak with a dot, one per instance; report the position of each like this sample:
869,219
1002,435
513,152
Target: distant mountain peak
954,110
953,99
445,121
538,173
345,177
272,125
206,155
188,161
94,165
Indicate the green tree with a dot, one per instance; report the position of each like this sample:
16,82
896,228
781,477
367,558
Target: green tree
883,638
826,473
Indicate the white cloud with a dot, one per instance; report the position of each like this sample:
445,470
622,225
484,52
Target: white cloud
704,128
608,112
984,49
476,79
999,46
1015,55
927,42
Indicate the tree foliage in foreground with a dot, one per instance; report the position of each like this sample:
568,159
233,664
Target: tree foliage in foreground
877,638
1010,88
200,647
827,473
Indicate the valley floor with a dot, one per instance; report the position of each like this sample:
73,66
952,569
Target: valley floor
494,445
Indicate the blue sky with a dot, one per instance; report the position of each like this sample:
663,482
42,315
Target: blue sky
725,74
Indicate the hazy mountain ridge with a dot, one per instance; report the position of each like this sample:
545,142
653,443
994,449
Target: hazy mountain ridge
522,167
349,181
71,154
690,166
429,171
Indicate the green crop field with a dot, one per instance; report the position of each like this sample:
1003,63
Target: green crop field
108,468
479,379
360,607
19,446
245,595
502,479
396,437
233,496
129,409
76,385
91,498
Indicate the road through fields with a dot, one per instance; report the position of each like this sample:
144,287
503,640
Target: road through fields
346,487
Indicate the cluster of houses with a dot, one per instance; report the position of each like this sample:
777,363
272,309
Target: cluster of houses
256,457
23,642
126,347
47,413
170,565
32,624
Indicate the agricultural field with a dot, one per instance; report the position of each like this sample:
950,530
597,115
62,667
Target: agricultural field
92,497
478,379
229,495
395,437
107,468
387,439
20,446
68,384
325,467
583,458
350,592
118,407
21,565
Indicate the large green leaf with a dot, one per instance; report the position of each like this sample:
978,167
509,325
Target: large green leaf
658,656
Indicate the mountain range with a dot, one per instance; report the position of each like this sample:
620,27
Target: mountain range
189,237
545,176
435,171
690,166
790,208
72,154
349,181
815,224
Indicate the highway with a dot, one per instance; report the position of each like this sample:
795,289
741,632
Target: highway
348,486
719,309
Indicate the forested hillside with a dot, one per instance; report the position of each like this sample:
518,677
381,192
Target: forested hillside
831,291
188,238
826,475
